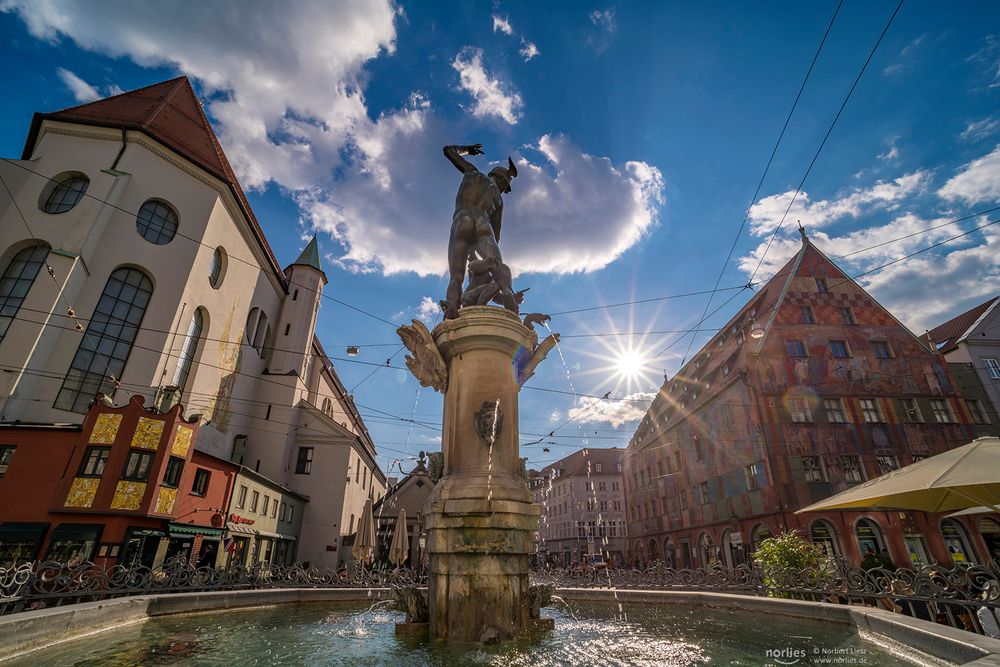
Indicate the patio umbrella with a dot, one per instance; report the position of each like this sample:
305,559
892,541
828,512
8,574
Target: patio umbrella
364,542
400,547
972,510
964,477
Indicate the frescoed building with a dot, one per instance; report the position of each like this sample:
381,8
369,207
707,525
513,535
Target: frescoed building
133,265
583,508
810,388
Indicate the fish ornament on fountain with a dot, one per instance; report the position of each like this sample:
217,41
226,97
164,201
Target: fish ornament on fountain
480,520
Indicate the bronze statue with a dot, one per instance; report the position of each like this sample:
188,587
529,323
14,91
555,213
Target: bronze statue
475,228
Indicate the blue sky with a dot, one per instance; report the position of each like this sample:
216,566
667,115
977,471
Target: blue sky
641,132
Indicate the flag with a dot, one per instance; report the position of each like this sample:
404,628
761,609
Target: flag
230,546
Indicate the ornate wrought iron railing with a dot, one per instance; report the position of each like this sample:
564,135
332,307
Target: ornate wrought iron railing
41,585
963,596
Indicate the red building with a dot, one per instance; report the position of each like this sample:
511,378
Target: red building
126,486
811,388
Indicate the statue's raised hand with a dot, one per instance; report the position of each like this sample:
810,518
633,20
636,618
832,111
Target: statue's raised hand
475,149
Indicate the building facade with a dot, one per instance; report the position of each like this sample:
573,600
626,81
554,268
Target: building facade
263,522
583,508
811,388
124,487
133,265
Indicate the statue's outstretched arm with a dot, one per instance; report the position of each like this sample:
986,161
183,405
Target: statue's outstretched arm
454,155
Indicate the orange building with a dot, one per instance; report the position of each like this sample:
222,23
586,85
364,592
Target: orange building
125,487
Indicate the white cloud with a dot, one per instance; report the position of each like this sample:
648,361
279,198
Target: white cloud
890,155
594,410
980,129
988,58
492,97
768,212
82,91
428,311
502,24
604,19
978,181
285,87
528,50
569,211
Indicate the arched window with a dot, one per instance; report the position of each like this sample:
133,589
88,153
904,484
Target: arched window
107,342
822,535
17,280
67,190
707,548
257,330
759,533
654,551
957,542
156,222
217,269
189,350
668,552
869,537
990,530
327,407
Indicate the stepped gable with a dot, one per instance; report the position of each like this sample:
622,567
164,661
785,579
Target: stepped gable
171,113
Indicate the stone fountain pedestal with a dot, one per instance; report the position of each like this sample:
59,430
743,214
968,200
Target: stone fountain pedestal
480,520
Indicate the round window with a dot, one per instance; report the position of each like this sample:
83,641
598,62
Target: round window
156,222
63,192
217,269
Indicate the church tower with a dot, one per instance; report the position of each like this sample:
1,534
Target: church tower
294,336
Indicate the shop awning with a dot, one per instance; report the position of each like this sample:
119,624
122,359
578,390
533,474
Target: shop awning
191,529
239,528
76,531
277,536
22,531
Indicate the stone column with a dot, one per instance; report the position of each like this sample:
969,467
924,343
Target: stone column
480,518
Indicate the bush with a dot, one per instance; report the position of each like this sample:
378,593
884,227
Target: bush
788,555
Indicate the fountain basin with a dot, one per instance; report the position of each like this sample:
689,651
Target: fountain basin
337,626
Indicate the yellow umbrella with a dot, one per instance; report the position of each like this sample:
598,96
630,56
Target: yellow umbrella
364,541
964,477
400,547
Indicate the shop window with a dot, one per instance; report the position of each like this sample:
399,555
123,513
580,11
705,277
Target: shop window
303,463
93,462
19,542
137,465
869,538
957,541
823,536
106,344
6,454
200,485
17,279
172,477
72,543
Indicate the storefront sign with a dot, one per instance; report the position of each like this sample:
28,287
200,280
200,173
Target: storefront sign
236,518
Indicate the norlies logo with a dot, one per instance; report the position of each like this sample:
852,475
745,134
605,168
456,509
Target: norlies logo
785,656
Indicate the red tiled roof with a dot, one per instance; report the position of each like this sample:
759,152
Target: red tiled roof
947,334
171,113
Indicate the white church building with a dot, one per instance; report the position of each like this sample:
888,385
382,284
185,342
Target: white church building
131,263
